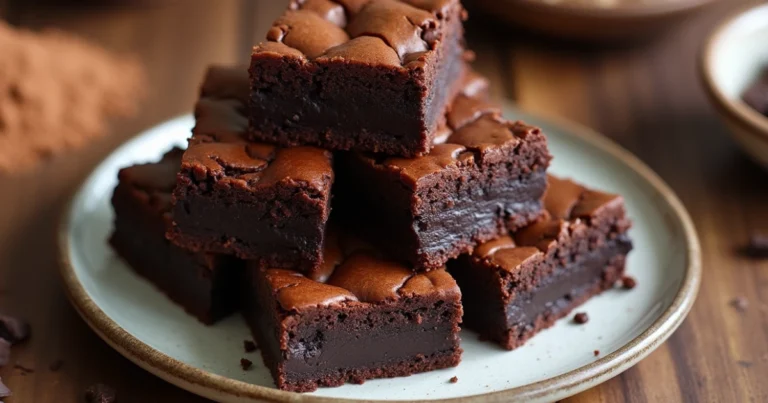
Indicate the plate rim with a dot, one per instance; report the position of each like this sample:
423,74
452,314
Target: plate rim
624,12
210,385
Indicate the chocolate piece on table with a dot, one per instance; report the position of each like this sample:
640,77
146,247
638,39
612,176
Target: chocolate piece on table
14,330
758,246
485,176
517,285
205,285
100,393
361,317
253,200
372,76
756,95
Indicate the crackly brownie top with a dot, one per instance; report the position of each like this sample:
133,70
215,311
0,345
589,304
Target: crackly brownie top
220,151
381,32
568,206
474,133
154,182
354,272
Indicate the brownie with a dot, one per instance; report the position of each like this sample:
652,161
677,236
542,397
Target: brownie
205,285
485,176
756,95
361,317
517,285
360,75
254,200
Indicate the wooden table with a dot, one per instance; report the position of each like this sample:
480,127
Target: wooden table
647,98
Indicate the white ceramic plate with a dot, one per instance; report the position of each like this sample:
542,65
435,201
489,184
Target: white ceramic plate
624,326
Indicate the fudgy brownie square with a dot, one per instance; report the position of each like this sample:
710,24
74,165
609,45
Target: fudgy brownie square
485,176
359,318
205,285
254,200
517,285
364,75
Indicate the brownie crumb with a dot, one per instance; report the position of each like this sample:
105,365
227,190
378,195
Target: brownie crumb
581,318
13,330
56,365
758,246
5,352
628,282
740,304
454,379
4,391
100,393
246,364
249,346
596,353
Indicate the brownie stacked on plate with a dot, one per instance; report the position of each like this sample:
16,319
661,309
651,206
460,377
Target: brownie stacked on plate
325,189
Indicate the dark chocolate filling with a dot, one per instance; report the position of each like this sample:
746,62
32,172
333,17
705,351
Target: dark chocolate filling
556,293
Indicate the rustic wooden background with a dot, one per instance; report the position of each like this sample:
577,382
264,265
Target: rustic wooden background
648,98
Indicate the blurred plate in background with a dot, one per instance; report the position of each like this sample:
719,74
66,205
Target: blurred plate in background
590,20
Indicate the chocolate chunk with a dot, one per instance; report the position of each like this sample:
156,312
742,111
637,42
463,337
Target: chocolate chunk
454,379
246,364
5,352
56,365
596,353
581,318
756,95
4,391
100,393
740,304
628,282
249,346
13,330
758,246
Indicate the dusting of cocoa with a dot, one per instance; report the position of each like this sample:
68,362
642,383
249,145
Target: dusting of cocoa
56,93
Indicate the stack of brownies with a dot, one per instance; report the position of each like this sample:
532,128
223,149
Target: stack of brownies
357,197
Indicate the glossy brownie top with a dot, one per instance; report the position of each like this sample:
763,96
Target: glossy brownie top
154,182
570,207
219,149
380,32
474,133
354,272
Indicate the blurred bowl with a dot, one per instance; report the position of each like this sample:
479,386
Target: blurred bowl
582,21
732,59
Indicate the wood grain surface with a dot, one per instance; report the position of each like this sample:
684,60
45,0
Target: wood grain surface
647,98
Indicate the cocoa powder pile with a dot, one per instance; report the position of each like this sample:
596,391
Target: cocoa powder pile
57,92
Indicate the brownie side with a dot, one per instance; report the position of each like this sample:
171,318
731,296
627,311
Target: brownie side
366,318
377,80
487,176
253,200
513,287
204,285
281,225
